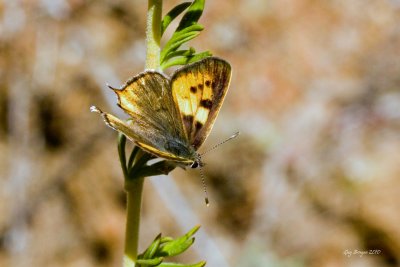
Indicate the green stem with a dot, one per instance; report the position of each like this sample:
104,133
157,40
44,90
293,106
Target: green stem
153,34
134,188
134,185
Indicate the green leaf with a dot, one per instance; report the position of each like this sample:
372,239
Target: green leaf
192,15
185,60
172,264
178,245
121,153
199,56
179,38
192,231
151,250
175,248
149,262
191,28
177,43
187,30
172,14
161,167
166,246
132,157
180,53
166,239
142,158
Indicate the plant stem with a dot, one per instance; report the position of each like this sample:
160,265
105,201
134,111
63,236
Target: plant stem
153,34
134,188
134,185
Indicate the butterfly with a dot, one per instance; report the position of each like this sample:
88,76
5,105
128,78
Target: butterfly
172,117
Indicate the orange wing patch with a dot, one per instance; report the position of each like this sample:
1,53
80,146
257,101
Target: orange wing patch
199,90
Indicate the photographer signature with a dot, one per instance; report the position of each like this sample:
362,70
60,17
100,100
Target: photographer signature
360,253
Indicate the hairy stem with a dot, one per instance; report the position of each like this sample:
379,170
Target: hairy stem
134,185
153,34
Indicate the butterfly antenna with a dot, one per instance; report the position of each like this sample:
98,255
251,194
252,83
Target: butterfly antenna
204,187
223,142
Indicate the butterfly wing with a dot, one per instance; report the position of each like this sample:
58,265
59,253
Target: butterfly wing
199,90
155,125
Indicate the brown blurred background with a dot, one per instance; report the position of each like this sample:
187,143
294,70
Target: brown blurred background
315,173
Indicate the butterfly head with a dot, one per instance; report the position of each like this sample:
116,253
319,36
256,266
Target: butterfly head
197,162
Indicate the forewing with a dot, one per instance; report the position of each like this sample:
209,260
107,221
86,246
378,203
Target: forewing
199,90
155,122
148,100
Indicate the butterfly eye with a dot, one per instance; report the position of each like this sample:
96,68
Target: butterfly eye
194,165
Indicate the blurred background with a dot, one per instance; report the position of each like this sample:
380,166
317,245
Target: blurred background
313,177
